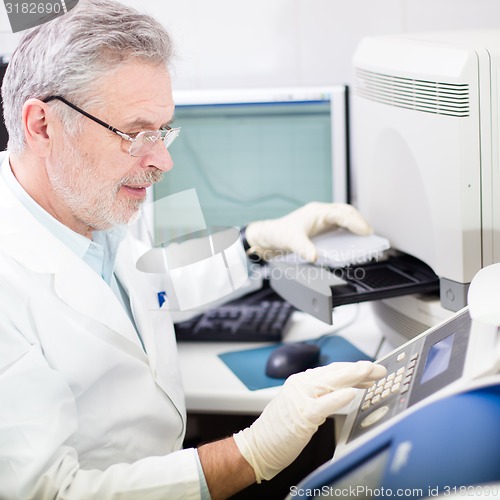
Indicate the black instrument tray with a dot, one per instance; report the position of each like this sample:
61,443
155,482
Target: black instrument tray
317,290
398,275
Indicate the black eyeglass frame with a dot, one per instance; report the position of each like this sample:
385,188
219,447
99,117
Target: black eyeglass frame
167,133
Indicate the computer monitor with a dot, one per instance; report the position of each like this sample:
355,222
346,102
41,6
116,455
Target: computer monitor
260,153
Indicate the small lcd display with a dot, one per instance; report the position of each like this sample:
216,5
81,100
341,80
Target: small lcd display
438,358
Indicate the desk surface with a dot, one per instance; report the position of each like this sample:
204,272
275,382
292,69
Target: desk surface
211,387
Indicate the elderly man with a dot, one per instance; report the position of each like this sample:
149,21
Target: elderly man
91,397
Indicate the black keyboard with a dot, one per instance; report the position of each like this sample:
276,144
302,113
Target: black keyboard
261,316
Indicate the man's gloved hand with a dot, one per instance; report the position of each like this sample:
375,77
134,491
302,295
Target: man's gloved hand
288,422
293,231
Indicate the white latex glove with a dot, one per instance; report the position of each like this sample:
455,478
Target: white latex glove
289,421
293,231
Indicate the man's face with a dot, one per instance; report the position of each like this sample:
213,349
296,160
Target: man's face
95,179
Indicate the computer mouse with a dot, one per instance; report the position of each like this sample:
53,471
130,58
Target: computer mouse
291,358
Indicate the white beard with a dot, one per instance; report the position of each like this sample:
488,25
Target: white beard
90,200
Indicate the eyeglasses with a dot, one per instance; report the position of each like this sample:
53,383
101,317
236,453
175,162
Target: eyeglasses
141,143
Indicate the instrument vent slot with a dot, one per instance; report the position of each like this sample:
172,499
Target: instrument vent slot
451,99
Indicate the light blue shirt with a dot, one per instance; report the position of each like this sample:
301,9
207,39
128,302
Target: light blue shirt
99,253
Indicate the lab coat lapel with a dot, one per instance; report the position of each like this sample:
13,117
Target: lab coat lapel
153,322
140,294
83,290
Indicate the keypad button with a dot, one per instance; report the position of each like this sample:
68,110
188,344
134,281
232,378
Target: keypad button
374,416
405,388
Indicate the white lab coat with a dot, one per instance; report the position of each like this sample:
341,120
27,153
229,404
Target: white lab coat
84,412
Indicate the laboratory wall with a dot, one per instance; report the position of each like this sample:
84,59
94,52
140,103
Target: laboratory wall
236,43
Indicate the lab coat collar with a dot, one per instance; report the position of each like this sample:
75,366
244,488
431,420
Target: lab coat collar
31,244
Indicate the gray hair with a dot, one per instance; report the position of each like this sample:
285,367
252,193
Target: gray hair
69,55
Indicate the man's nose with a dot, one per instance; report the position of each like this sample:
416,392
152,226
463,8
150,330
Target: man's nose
159,157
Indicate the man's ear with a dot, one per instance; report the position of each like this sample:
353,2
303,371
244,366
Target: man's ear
38,123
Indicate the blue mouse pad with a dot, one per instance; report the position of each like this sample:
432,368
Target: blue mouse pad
249,365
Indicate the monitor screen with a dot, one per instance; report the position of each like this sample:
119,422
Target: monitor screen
258,154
